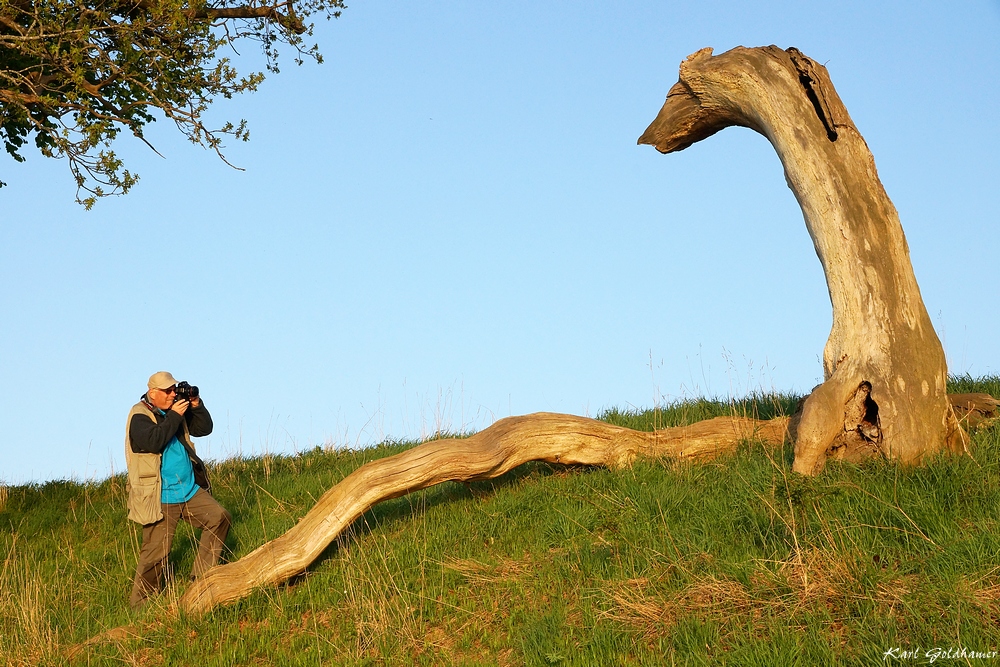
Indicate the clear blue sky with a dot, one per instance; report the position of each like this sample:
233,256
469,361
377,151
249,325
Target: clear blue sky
449,222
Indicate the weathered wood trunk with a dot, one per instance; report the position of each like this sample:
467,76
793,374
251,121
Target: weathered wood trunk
885,369
885,375
490,453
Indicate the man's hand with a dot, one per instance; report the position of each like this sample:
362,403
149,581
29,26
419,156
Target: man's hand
180,406
196,402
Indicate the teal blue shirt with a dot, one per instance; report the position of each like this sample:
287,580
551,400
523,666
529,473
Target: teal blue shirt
177,474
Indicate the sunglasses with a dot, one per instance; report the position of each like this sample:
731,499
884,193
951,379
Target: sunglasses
169,390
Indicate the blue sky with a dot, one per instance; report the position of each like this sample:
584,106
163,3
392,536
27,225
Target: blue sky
449,221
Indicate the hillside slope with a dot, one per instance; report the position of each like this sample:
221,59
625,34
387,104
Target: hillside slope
733,562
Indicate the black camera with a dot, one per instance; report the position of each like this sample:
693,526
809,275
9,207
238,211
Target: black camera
186,391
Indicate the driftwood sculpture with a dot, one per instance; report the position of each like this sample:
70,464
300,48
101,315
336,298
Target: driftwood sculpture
884,392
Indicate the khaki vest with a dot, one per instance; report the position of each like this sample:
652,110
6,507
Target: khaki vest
144,483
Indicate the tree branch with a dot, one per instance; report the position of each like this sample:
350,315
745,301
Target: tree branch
289,20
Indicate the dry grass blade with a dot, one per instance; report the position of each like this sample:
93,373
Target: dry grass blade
481,573
119,634
777,589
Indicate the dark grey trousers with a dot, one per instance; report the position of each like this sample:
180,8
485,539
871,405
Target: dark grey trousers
202,511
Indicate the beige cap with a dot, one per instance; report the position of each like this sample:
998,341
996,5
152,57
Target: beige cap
161,380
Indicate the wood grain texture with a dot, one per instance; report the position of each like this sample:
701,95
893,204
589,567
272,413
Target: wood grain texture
510,442
885,373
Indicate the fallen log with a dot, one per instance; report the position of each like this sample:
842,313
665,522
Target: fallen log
508,443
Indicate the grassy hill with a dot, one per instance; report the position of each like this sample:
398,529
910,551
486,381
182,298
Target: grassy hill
733,562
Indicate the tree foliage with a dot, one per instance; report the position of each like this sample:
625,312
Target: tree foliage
74,74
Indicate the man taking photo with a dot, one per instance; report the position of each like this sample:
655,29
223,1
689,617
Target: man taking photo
167,481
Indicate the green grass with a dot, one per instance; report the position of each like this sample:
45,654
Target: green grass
732,562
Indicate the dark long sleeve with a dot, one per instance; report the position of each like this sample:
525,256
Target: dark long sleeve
150,437
199,421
